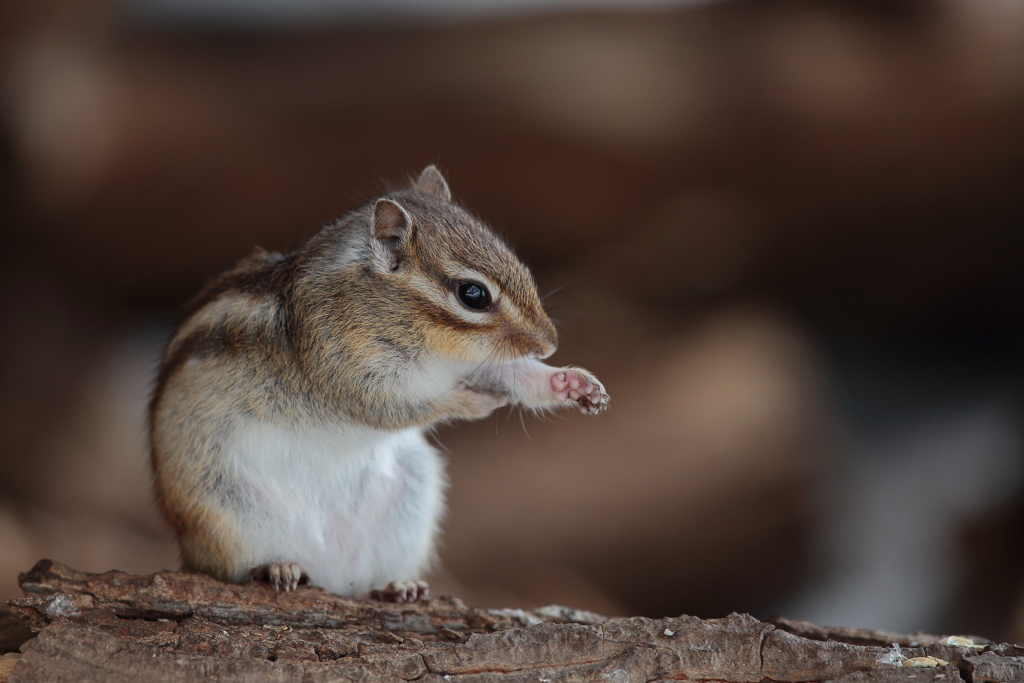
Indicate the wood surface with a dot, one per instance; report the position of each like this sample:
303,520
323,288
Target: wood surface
173,626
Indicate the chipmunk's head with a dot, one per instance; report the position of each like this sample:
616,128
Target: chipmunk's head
460,284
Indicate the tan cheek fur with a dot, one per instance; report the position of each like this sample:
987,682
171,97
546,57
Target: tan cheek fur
459,345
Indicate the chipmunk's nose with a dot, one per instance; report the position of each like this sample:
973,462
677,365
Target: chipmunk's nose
547,339
538,340
547,344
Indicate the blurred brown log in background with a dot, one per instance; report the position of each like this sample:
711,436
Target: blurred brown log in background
714,191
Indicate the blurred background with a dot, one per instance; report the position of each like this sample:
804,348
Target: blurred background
787,236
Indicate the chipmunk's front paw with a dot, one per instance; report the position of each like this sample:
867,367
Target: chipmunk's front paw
582,387
281,575
402,591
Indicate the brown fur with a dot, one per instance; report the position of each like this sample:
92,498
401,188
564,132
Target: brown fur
325,334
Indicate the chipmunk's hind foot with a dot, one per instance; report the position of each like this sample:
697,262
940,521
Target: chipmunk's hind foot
285,576
402,591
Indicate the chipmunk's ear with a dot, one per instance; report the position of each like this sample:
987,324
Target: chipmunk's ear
391,228
433,183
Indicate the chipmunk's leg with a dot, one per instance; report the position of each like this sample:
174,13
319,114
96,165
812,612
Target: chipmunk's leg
464,403
281,575
402,591
209,546
532,384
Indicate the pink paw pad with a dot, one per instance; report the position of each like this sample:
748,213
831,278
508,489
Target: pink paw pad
581,387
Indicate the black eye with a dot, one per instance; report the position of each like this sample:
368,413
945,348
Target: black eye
474,295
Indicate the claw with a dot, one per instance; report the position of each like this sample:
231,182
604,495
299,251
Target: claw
286,576
402,591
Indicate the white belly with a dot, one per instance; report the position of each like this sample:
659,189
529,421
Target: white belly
355,508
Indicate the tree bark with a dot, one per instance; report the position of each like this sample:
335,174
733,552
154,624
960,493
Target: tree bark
174,626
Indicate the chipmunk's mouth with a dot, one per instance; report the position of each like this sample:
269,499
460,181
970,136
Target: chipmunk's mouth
483,387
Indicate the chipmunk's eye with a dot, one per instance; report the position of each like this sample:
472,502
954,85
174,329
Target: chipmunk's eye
474,295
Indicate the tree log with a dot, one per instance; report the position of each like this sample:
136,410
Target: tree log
173,626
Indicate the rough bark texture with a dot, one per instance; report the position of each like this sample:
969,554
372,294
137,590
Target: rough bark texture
180,627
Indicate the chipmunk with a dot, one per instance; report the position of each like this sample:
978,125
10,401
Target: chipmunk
288,422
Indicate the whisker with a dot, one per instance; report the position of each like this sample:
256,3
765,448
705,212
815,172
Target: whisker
573,311
522,421
561,290
557,289
432,435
